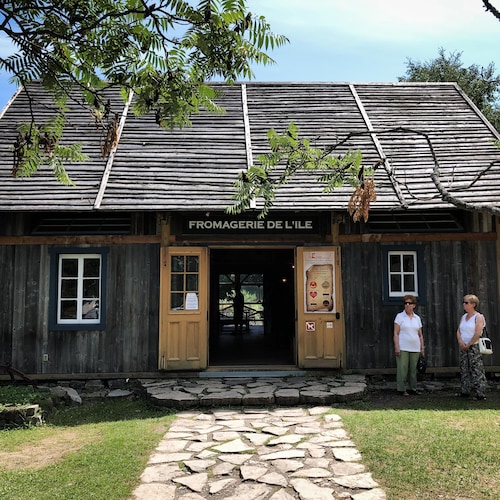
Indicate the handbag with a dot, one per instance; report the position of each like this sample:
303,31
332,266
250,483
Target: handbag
485,344
421,364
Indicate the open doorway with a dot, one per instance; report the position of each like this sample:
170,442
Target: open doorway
252,307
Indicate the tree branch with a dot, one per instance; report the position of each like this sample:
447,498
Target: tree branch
489,8
294,155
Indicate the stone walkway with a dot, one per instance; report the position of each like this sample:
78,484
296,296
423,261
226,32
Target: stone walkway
256,453
254,391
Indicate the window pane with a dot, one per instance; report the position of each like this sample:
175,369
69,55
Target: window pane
177,301
184,278
69,288
394,263
90,309
69,268
177,282
68,309
91,288
409,283
91,268
252,278
253,290
192,282
408,263
177,263
396,283
79,280
192,264
402,272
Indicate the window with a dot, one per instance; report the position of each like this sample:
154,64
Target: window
404,272
403,277
184,282
78,290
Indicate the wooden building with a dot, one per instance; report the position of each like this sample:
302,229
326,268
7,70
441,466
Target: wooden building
133,269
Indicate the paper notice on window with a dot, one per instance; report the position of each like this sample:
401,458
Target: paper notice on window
191,301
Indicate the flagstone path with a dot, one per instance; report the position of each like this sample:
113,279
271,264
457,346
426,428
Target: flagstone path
249,453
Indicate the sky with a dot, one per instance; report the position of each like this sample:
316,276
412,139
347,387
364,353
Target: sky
363,40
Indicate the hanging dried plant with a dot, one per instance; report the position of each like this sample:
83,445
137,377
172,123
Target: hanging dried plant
110,136
359,203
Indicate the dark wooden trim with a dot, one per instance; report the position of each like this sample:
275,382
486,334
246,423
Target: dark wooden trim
104,376
152,239
80,240
413,237
442,371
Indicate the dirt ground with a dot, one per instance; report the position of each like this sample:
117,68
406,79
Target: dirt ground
442,399
47,451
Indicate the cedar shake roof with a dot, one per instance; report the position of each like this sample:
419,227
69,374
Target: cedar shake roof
194,168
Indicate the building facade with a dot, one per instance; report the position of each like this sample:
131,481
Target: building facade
134,270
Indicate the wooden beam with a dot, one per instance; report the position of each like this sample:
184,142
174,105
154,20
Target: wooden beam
444,371
165,230
412,237
80,240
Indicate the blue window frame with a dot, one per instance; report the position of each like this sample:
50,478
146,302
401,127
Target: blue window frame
404,271
77,289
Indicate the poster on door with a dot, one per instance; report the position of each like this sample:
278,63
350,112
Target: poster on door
319,280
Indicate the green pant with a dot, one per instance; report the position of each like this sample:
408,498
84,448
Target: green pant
406,372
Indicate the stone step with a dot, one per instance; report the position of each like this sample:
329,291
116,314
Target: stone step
254,391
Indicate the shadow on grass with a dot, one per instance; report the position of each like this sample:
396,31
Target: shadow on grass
105,410
438,400
133,408
109,410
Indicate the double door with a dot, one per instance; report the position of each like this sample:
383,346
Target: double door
184,308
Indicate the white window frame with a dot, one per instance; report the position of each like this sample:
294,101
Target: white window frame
402,273
80,299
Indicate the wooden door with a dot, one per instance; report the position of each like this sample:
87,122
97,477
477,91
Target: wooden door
183,308
320,328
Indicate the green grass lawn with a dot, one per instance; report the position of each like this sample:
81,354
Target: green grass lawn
426,447
94,451
429,447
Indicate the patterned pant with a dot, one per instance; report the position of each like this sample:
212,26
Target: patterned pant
472,376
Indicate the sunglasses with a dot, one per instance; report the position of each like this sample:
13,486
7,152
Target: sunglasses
409,303
465,302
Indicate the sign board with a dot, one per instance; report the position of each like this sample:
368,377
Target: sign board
310,326
319,282
223,224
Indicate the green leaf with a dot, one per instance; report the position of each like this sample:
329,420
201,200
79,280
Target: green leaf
290,154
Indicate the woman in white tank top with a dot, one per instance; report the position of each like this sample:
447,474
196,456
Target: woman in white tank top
472,376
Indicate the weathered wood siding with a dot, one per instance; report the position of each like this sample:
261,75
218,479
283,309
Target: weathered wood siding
452,269
130,341
6,308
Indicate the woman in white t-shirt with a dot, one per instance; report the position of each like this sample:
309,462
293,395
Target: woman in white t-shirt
408,345
472,376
